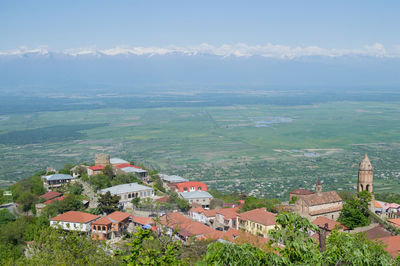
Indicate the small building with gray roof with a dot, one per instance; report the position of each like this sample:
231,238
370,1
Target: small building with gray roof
57,180
202,198
129,191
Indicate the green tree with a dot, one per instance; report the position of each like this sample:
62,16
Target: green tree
108,171
231,254
26,201
66,169
6,216
108,203
135,201
292,232
354,249
75,188
68,248
99,181
145,249
355,211
252,203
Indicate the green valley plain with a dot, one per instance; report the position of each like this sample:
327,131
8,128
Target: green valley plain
258,148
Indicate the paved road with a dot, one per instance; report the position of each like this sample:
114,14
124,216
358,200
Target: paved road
88,190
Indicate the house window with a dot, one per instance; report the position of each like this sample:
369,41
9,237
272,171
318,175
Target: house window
185,189
199,188
141,194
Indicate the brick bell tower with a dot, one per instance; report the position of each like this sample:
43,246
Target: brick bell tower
365,179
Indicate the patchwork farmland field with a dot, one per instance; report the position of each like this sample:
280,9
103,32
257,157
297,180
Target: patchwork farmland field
265,150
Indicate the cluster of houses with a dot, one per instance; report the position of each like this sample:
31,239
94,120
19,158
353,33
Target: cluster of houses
222,224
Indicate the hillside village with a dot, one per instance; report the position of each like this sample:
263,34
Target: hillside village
185,209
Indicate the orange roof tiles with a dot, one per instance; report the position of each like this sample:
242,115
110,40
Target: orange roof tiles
395,222
58,199
377,205
301,191
163,199
142,220
115,217
260,216
50,195
324,198
321,221
97,167
210,213
198,209
327,210
228,213
184,225
392,244
75,217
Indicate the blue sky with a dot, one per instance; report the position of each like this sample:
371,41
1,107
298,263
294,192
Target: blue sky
105,24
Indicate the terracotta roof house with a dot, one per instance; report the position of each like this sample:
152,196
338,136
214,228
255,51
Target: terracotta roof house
50,195
74,221
226,217
241,237
185,227
299,193
110,226
189,186
55,199
163,199
95,170
331,224
141,221
201,215
377,232
392,244
327,204
257,222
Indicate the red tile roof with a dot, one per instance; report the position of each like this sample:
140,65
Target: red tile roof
96,167
301,191
392,244
377,232
324,198
76,217
185,226
124,165
190,184
198,209
321,221
50,195
210,213
377,205
142,220
240,237
58,199
395,222
163,199
327,210
115,217
228,213
260,216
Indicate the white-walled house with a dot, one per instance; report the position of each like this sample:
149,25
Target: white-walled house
129,191
74,221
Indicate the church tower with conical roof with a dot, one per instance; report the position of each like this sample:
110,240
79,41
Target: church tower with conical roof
365,175
365,179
